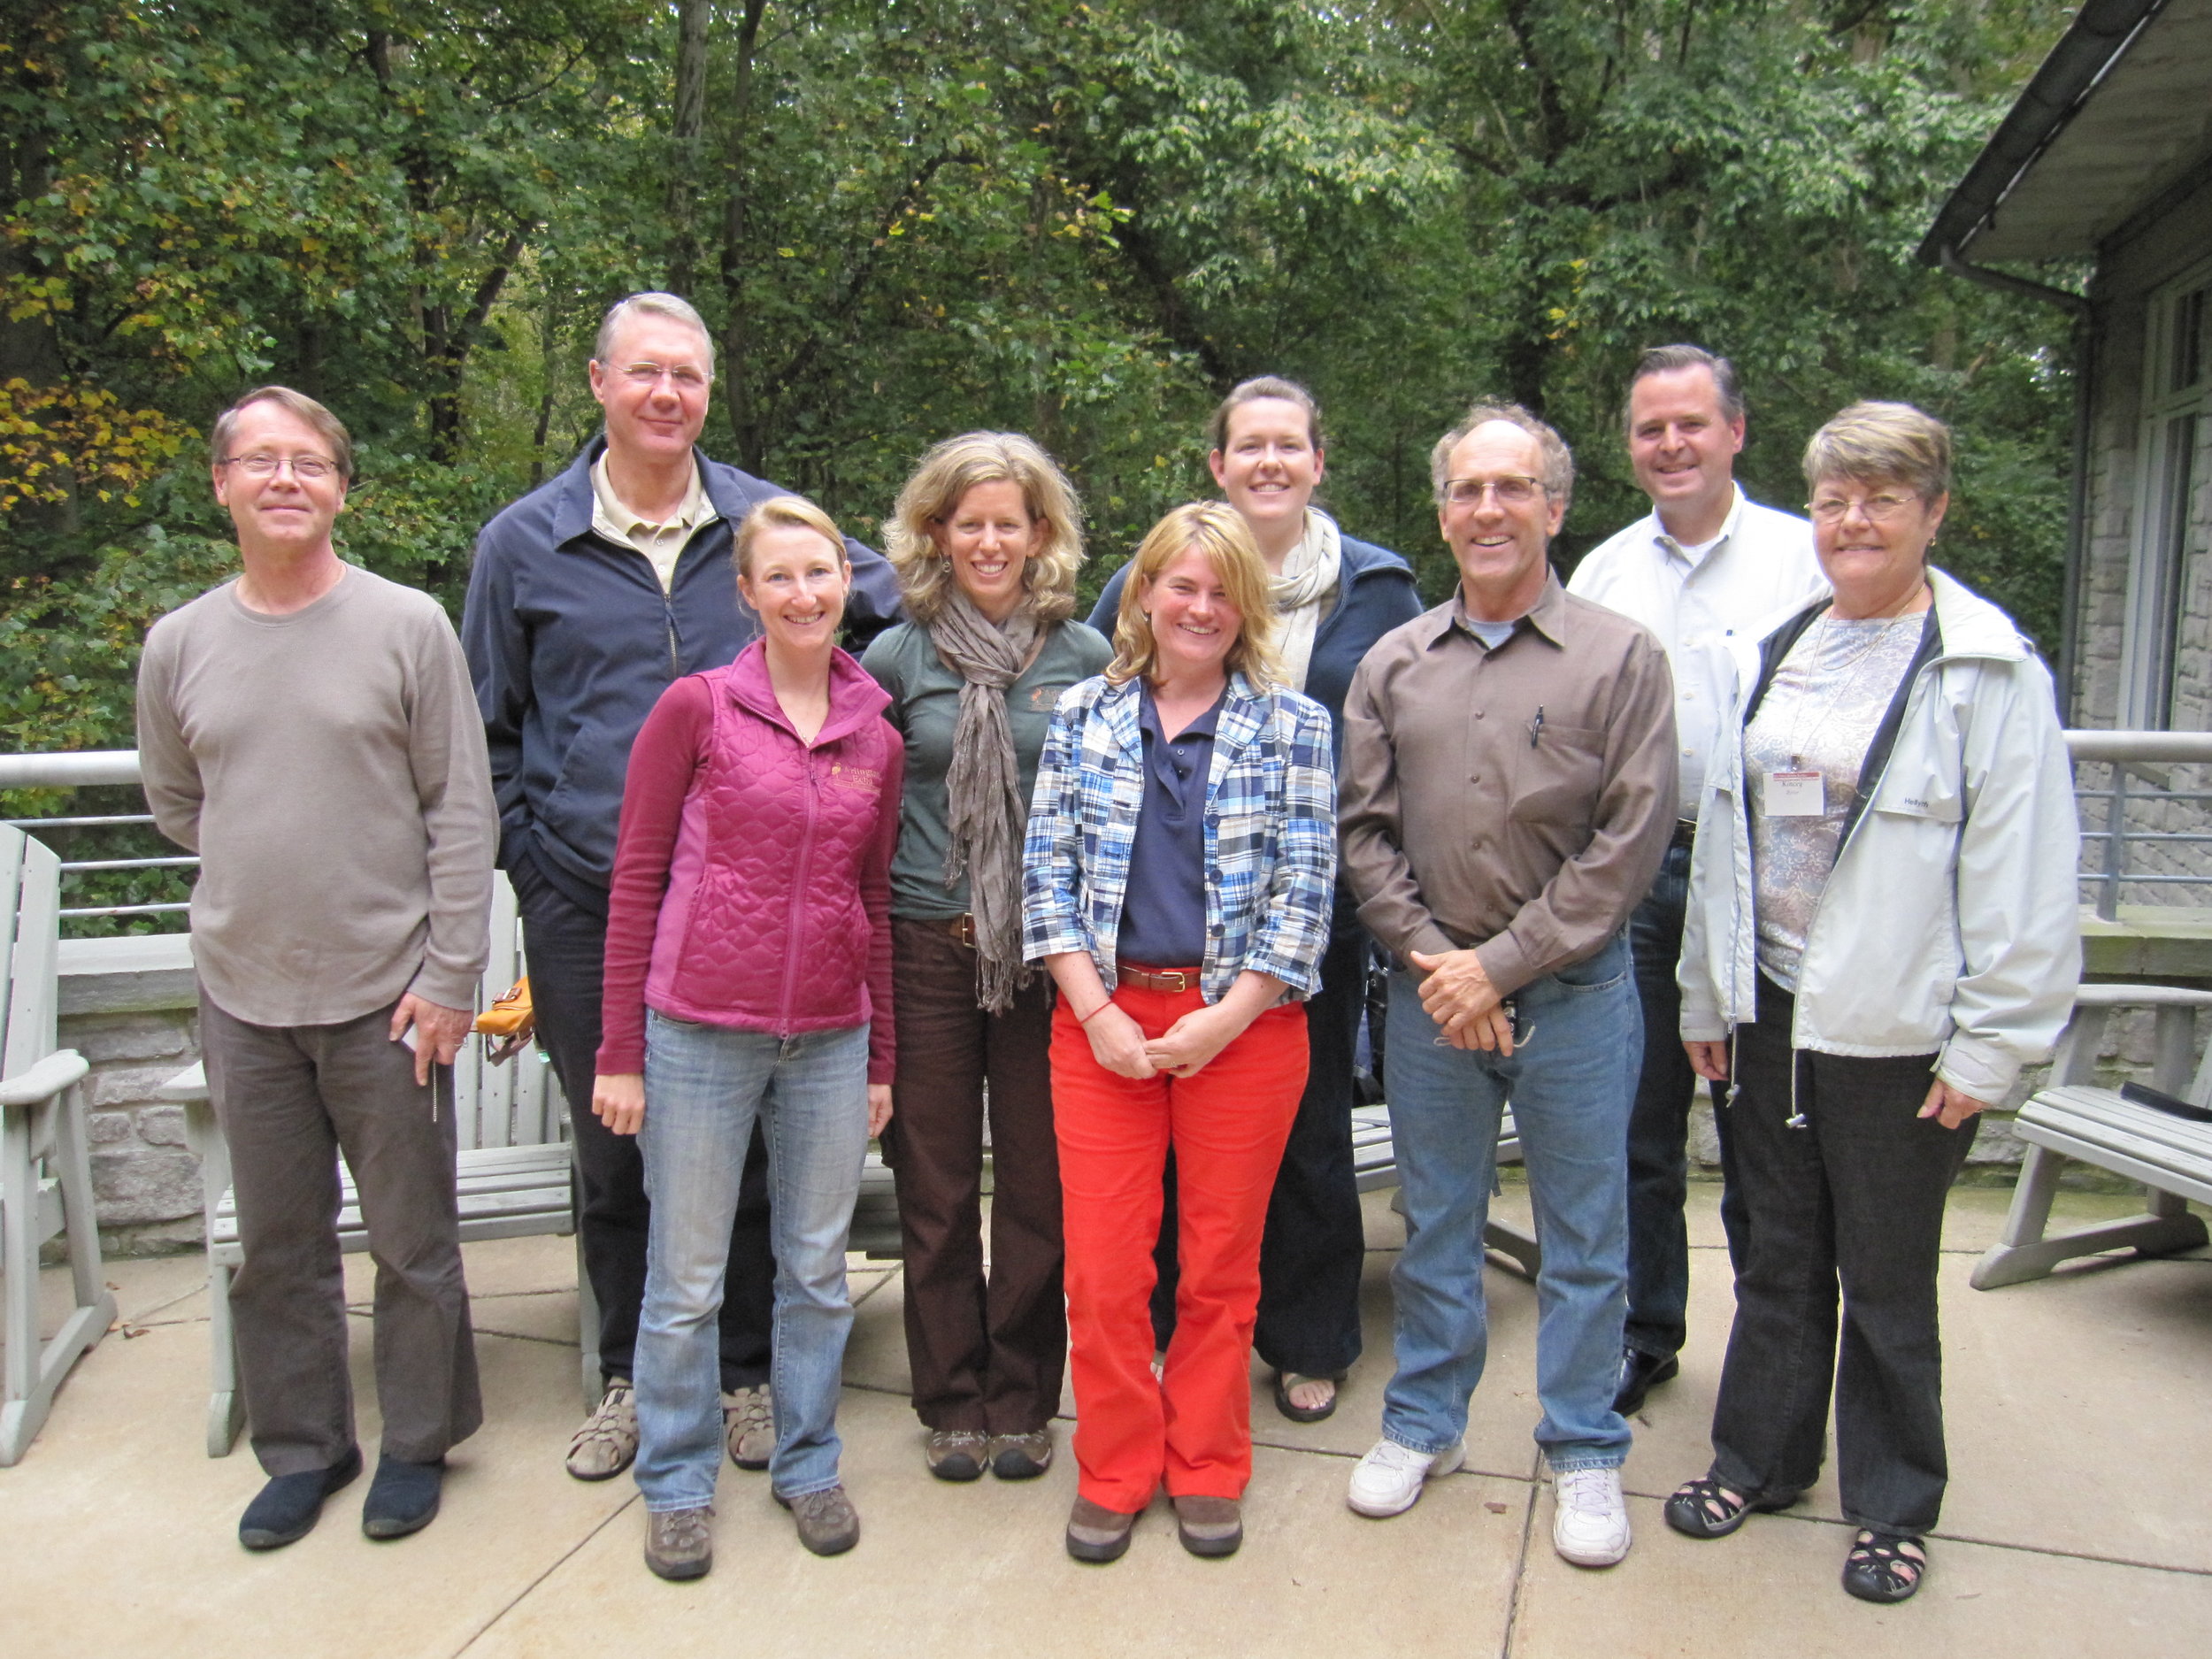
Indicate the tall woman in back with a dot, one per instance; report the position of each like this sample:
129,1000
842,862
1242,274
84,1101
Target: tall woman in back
1333,596
749,976
986,540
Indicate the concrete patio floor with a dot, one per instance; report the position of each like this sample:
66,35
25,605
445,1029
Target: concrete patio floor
2079,1520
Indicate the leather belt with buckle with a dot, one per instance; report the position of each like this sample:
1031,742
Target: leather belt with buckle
962,929
1685,832
1175,981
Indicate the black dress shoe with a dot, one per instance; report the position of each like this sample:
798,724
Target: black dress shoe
1639,1371
286,1510
403,1498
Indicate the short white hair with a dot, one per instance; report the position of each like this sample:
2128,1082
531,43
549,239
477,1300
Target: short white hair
651,304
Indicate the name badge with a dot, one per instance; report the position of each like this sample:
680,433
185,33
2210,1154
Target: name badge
1795,795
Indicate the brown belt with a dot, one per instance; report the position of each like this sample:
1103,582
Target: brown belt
961,929
1171,980
1685,832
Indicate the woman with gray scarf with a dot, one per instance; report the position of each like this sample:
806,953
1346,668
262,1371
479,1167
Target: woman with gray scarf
986,540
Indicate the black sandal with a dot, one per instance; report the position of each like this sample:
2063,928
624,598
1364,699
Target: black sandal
1879,1568
1297,1413
1703,1509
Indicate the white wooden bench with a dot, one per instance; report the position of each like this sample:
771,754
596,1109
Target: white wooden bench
1375,1165
45,1165
2072,1118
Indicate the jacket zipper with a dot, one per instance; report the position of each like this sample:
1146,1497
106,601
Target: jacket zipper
799,891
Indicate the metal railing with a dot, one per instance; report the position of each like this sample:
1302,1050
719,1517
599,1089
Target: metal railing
2109,834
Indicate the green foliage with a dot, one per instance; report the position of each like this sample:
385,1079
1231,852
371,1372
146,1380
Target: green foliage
907,218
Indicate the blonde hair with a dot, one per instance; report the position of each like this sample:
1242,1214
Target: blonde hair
933,494
782,512
1872,443
1219,531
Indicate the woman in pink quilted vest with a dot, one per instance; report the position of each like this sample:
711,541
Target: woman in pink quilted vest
749,975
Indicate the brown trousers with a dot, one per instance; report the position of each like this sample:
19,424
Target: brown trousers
289,1099
986,1351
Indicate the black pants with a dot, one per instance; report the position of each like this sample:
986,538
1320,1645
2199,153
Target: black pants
1853,1202
289,1098
1316,1241
1659,1129
566,946
987,1347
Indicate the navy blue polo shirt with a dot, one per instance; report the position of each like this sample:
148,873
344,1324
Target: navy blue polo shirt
1163,910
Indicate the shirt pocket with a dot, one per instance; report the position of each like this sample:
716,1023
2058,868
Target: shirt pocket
1556,776
1919,783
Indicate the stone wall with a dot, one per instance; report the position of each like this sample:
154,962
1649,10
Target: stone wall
129,1007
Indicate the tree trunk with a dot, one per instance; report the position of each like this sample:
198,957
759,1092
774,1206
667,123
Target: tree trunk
684,145
737,391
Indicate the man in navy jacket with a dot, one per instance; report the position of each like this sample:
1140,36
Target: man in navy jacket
590,596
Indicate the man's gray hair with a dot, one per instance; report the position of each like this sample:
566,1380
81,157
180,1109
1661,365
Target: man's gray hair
651,304
1668,359
1559,461
325,425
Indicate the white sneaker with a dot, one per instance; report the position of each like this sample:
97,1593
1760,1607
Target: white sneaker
1388,1479
1589,1526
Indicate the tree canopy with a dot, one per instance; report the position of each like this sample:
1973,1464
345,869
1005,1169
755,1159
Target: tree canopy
904,219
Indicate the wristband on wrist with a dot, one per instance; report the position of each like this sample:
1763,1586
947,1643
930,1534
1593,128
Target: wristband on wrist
1085,1019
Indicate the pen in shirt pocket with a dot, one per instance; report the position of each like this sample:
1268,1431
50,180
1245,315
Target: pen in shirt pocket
1536,726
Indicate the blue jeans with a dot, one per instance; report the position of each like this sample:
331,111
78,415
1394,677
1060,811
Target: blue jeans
1571,1084
704,1086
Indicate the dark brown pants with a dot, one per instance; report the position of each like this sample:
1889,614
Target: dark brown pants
987,1353
289,1099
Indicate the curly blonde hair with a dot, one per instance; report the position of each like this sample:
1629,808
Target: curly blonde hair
946,474
1219,531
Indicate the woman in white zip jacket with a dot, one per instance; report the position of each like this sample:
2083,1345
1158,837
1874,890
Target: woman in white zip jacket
1882,931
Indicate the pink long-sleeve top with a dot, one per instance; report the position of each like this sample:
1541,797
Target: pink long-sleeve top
752,870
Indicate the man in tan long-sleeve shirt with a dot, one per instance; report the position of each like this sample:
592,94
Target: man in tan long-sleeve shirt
1509,789
309,729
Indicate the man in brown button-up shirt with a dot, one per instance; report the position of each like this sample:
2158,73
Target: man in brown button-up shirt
1509,788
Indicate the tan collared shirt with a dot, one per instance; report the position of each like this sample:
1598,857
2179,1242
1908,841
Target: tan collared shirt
662,542
1516,800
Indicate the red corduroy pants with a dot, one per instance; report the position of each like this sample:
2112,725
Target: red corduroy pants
1192,1428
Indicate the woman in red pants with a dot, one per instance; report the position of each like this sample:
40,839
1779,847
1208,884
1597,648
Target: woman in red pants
1180,857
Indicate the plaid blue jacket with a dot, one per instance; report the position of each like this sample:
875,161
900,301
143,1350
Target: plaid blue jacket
1270,828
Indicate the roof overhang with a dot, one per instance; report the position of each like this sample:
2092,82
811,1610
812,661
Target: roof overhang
2119,114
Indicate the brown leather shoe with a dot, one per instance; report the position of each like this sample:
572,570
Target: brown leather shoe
1208,1526
679,1543
1098,1533
828,1524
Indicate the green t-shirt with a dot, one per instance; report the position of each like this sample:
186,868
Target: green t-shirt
925,709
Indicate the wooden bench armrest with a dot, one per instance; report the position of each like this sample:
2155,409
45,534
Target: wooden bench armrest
45,1079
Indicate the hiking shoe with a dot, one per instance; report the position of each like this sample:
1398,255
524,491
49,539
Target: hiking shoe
403,1498
828,1524
748,1423
1097,1533
679,1543
1208,1526
1388,1479
1589,1526
606,1444
285,1510
1021,1456
955,1454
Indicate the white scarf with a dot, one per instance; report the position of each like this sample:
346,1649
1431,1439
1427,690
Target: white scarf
1305,590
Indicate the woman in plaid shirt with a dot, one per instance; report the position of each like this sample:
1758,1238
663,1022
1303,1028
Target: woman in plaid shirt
1180,857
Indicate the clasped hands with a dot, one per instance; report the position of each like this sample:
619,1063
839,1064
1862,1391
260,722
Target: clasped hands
1118,1043
1459,996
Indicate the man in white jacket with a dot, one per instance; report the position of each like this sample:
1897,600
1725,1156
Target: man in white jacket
1705,569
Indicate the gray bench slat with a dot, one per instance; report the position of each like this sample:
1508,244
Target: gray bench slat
2089,1112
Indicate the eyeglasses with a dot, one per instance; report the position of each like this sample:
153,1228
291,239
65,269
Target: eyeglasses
687,379
1512,490
1877,509
260,464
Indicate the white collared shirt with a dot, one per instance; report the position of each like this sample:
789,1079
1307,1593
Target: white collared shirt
1761,570
662,543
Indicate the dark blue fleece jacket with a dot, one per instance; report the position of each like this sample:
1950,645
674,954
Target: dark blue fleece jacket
571,642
